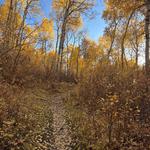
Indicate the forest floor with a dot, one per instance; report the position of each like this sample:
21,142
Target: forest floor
59,134
61,130
40,119
59,126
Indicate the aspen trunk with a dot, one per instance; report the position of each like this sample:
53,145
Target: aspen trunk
147,36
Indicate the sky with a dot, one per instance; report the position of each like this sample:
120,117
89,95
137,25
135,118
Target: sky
94,27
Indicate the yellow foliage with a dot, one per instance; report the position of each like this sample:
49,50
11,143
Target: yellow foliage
4,11
121,7
58,4
47,28
52,54
105,42
75,23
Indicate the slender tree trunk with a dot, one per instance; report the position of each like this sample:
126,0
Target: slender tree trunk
147,36
137,57
57,40
19,42
113,39
77,69
123,40
61,45
8,29
136,51
56,61
62,36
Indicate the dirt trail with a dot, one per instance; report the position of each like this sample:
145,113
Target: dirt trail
57,133
60,127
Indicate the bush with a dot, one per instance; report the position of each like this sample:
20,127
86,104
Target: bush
112,107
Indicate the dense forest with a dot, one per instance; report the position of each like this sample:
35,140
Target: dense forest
61,89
